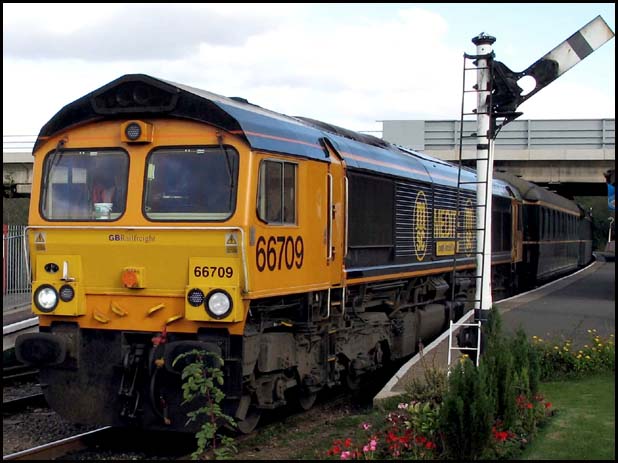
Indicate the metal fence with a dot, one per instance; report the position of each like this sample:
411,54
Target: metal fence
16,285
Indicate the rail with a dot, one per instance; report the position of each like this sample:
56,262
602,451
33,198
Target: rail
59,448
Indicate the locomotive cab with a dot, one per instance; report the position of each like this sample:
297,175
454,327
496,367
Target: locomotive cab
152,236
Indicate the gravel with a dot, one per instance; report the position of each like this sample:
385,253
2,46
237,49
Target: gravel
34,426
37,426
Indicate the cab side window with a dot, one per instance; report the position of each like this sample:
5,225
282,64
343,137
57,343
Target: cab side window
277,192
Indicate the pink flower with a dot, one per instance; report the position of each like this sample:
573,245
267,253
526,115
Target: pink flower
346,455
366,426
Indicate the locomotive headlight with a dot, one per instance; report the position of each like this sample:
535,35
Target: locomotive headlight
46,298
218,304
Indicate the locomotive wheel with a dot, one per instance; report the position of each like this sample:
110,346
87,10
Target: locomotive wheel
301,399
250,422
352,381
306,399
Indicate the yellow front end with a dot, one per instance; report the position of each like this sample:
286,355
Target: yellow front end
142,278
136,267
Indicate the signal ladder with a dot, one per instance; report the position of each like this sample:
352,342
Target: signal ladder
462,228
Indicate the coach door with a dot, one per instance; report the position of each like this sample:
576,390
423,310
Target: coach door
517,232
336,214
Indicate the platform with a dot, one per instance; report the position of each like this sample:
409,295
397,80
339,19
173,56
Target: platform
15,321
564,309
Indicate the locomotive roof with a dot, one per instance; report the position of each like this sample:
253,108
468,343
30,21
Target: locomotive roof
139,95
534,193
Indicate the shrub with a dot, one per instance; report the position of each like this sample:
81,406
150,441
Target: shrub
498,361
466,414
430,388
559,358
202,378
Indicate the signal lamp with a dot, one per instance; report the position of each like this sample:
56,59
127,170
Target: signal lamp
130,279
195,297
133,131
67,293
136,132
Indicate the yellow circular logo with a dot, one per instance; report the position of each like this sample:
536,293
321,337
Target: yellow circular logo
469,226
421,229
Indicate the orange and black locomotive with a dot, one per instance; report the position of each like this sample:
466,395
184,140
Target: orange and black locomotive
165,218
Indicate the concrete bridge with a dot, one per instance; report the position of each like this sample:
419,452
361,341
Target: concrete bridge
17,163
566,155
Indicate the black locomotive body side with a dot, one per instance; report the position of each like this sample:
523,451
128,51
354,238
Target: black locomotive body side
556,234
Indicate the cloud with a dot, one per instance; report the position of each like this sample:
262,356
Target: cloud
136,31
337,64
351,72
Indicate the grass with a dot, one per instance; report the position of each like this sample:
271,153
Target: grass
584,425
582,429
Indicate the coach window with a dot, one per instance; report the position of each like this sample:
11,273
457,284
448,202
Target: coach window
84,185
277,192
191,184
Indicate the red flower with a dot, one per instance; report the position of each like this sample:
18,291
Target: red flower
529,405
430,445
347,443
335,450
547,404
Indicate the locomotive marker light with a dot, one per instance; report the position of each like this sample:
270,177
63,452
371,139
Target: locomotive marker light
136,132
498,97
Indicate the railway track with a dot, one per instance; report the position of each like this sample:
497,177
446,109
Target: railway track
17,373
20,403
61,447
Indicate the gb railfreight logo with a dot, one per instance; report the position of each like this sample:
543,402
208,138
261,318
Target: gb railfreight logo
132,238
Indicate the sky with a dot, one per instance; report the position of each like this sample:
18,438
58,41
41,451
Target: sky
347,64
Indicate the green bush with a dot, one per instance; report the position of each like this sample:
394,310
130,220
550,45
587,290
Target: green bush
487,412
430,388
559,358
202,379
466,413
490,412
